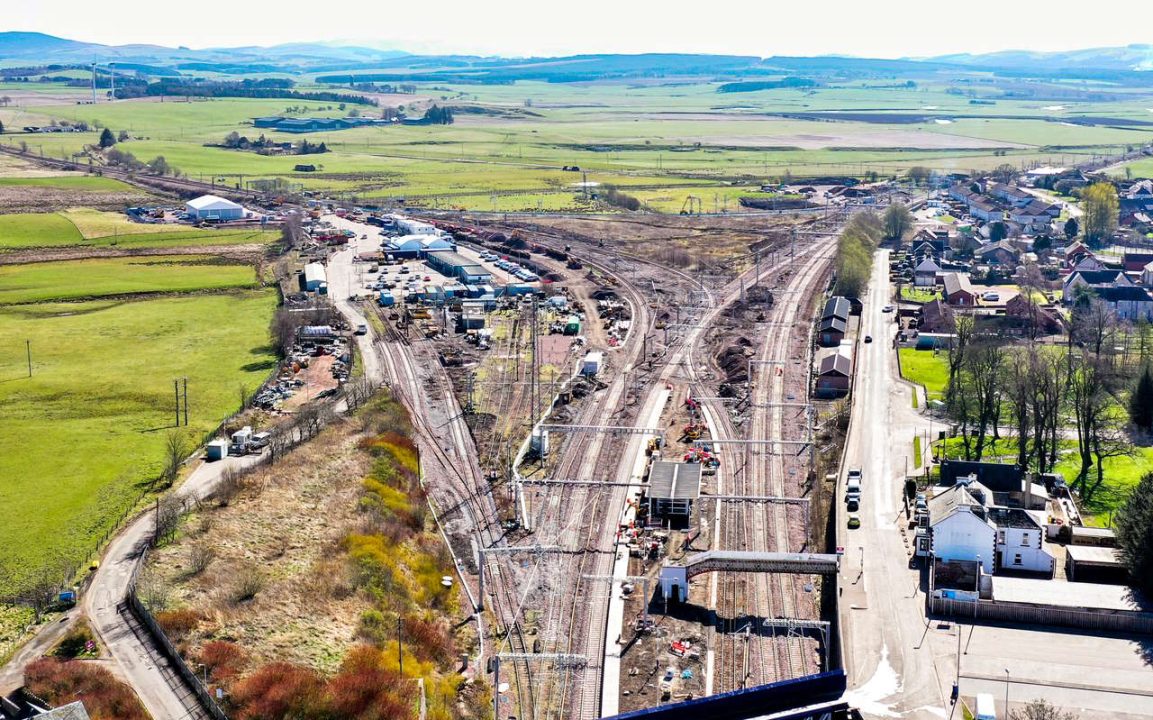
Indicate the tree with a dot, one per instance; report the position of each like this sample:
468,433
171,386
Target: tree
1071,228
5,100
159,165
122,136
107,140
898,222
175,453
919,174
1004,172
1040,709
1141,401
1099,423
1100,209
997,231
1133,525
1,127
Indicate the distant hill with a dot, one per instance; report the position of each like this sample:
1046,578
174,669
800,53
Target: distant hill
35,45
1130,57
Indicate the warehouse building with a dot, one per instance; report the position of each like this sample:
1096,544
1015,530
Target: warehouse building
211,207
673,488
416,246
314,277
452,264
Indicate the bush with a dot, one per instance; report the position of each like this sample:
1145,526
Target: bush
59,682
199,558
78,642
224,660
177,624
280,691
249,582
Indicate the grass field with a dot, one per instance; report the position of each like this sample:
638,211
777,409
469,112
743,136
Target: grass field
913,294
926,368
69,182
88,428
93,228
39,282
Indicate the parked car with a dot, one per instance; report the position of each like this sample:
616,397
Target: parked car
868,338
854,521
362,329
887,308
853,504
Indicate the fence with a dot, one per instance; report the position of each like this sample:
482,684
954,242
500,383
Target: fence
1038,614
165,645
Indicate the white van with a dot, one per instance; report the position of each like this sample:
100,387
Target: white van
985,708
853,490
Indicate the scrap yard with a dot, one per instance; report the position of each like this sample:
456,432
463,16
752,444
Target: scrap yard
618,417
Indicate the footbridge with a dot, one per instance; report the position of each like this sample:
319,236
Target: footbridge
675,578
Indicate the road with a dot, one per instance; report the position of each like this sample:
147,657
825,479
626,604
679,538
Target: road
900,663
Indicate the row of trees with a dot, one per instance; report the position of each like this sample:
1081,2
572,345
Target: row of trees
854,262
1035,391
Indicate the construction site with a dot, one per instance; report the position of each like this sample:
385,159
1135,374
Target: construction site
619,427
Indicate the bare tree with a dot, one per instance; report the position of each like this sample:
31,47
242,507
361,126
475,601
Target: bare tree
1019,386
40,592
199,558
1094,326
1099,422
1048,401
167,520
283,330
175,453
1040,709
291,231
962,326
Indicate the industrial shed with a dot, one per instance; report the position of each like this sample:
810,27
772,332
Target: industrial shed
455,265
314,277
673,487
211,207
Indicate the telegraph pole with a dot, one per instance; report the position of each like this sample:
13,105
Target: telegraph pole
186,402
535,369
28,347
176,392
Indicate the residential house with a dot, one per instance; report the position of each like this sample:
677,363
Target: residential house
1001,252
930,243
1036,216
936,317
1089,263
1010,194
1020,541
1147,276
1128,303
1074,253
958,290
960,528
832,331
925,274
834,375
986,210
1020,313
998,477
1133,262
1137,198
1092,279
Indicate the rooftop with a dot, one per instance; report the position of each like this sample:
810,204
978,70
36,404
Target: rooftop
1012,518
1093,555
1064,594
675,481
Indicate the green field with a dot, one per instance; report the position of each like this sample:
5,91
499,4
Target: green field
69,182
39,282
84,435
926,368
93,228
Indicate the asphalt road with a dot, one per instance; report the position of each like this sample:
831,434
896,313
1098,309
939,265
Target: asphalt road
898,662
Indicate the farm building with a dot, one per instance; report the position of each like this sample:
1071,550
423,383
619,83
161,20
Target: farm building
455,265
210,207
314,277
834,376
673,487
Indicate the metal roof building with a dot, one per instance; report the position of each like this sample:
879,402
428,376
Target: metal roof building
314,276
211,207
673,487
455,265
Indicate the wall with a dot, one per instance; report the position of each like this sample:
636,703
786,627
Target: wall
964,536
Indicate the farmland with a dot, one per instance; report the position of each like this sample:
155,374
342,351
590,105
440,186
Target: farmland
509,142
98,407
85,227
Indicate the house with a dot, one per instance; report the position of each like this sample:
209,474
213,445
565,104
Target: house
1147,276
1134,262
985,210
958,290
928,243
1128,303
1010,194
832,331
1074,253
925,274
1020,541
837,307
936,317
960,529
1037,215
1092,279
1001,252
834,375
211,207
1021,313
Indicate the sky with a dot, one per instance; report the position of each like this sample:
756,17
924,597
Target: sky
519,28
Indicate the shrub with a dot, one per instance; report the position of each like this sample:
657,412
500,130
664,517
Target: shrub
177,624
429,640
279,691
249,582
199,558
224,660
61,681
77,642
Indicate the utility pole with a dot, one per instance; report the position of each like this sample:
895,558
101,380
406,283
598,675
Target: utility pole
28,347
176,392
535,368
186,402
399,644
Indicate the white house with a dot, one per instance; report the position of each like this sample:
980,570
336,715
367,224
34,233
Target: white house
210,207
925,274
960,528
1020,541
1092,279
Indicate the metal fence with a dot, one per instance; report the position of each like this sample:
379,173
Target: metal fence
1037,614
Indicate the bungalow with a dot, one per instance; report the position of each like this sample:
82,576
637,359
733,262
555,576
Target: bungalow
1092,279
1002,252
832,331
925,274
834,375
958,290
1129,303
